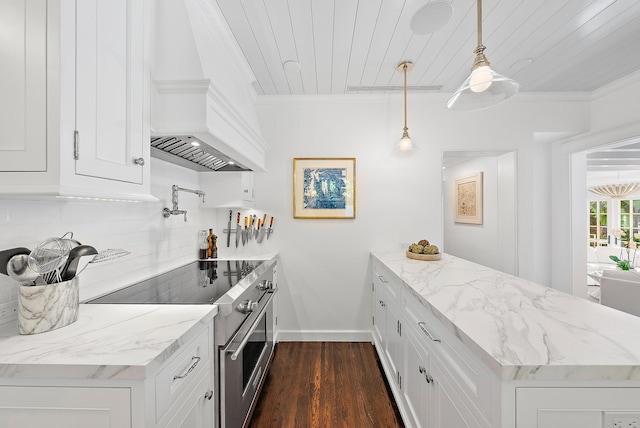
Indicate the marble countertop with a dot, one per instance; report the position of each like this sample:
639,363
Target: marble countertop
522,330
106,342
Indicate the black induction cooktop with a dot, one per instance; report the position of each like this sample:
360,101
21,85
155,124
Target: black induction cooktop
199,282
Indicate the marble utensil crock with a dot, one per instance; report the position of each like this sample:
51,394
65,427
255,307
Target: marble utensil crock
43,308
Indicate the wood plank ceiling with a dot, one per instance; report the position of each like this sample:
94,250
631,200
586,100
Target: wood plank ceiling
344,45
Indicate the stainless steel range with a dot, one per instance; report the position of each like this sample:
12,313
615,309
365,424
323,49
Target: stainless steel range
244,292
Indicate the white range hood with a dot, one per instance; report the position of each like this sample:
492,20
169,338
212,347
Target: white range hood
201,84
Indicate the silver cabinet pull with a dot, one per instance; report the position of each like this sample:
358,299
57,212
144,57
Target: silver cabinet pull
208,395
139,161
381,278
195,360
427,376
421,324
382,303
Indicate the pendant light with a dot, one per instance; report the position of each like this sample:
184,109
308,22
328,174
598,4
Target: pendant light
484,87
405,145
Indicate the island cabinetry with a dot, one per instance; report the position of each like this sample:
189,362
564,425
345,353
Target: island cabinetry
76,110
179,394
435,381
387,326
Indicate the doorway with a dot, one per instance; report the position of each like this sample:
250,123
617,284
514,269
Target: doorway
493,242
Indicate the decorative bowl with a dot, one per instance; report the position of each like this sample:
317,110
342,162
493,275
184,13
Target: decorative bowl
424,256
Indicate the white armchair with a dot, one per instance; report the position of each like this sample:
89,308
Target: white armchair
621,290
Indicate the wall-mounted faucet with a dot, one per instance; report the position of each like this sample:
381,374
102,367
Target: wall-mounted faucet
166,212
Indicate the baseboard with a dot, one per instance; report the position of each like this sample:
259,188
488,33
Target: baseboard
324,336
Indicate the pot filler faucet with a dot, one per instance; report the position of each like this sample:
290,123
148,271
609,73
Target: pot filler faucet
166,212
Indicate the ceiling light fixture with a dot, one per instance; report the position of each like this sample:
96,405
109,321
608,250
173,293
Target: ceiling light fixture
405,145
618,191
431,17
484,87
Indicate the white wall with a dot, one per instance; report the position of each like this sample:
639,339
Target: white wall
324,279
492,243
156,244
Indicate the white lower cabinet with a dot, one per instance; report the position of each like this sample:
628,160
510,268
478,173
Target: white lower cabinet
179,395
417,387
578,407
60,407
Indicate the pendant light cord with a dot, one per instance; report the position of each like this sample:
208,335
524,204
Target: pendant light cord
479,17
404,68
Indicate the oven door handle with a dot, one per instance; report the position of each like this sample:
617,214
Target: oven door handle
234,354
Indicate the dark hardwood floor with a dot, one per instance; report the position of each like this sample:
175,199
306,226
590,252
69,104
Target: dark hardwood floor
325,384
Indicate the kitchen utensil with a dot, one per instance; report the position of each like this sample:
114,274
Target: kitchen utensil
263,229
71,267
238,230
245,231
250,230
110,254
51,254
257,231
6,255
18,269
229,229
270,228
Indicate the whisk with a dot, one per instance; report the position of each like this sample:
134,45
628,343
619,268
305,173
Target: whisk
48,257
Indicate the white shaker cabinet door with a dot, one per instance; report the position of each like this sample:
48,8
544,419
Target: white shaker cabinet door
110,89
23,78
59,407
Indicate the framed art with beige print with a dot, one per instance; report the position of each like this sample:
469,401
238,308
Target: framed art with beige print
324,188
468,199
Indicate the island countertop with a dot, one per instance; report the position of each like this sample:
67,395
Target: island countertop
106,342
522,330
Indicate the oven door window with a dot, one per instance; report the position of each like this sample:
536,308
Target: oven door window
253,350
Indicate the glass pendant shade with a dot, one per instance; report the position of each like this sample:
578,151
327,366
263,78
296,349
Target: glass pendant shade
404,144
483,88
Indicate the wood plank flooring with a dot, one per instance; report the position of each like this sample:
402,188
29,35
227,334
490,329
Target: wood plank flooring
325,384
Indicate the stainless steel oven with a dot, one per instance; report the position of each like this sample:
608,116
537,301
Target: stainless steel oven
243,365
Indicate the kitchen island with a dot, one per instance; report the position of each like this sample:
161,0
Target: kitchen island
117,366
501,350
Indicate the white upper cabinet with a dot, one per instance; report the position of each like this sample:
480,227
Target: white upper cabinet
75,105
23,85
110,89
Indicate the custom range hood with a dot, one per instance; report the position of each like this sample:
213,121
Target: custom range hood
201,91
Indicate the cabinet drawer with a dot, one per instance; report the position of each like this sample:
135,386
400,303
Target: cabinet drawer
467,375
183,371
384,278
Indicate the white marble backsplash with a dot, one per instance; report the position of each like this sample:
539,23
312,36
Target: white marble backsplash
520,329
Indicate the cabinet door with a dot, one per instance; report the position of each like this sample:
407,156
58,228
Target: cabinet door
393,342
379,319
57,407
416,381
110,88
247,186
23,114
197,409
446,407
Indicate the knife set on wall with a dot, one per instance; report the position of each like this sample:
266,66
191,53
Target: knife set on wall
254,228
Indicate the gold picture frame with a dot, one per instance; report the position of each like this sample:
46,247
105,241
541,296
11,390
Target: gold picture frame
468,199
324,188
